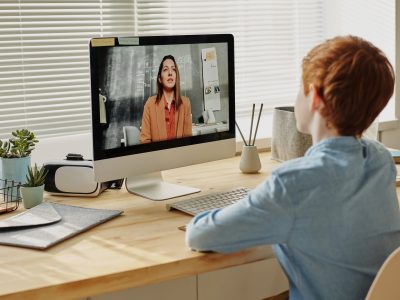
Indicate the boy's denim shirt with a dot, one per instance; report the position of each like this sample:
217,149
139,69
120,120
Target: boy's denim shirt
332,217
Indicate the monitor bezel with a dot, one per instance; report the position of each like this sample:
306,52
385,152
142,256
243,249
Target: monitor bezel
99,153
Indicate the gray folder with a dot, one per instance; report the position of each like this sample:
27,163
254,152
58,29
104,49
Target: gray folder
50,223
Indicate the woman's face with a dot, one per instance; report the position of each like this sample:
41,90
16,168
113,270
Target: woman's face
168,74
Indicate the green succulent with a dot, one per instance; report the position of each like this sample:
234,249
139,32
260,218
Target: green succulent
20,144
4,148
35,177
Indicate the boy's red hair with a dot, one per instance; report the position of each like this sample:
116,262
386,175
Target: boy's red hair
353,78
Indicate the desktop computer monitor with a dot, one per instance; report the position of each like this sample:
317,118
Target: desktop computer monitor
160,102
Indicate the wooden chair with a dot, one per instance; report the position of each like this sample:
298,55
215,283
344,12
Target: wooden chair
386,284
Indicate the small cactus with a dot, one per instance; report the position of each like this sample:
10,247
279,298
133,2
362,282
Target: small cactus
35,177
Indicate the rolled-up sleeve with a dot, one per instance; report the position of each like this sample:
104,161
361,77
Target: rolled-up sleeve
264,216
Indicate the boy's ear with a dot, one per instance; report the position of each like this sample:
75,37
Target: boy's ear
316,101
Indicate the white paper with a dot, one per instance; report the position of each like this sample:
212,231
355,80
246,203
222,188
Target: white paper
211,89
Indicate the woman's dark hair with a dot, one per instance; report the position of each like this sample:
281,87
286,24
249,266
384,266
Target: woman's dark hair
177,87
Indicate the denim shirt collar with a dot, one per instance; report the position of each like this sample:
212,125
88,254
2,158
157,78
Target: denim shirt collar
340,143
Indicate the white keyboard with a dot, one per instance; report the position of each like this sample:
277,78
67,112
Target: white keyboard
196,205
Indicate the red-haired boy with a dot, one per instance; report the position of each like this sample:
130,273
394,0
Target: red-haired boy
332,215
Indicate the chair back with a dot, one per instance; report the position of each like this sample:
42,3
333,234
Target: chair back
131,135
386,284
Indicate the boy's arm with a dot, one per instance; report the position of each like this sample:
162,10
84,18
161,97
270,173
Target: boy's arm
265,216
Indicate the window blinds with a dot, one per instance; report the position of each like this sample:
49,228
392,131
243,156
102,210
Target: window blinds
44,66
271,37
44,61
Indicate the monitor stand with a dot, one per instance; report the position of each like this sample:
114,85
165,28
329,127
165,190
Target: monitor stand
153,186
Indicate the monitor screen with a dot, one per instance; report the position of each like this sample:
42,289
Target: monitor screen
154,97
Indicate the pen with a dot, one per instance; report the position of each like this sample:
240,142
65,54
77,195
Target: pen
258,122
251,126
241,134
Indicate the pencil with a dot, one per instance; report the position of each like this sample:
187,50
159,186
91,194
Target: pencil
258,122
251,126
244,141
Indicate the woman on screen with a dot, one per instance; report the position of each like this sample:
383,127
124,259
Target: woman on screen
166,115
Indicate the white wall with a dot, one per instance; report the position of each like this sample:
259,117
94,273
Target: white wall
56,148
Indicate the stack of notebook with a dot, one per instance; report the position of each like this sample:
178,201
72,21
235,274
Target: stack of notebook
49,223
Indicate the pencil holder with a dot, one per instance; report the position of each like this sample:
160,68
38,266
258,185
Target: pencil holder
287,141
250,160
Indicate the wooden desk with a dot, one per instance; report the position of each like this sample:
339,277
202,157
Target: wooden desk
141,247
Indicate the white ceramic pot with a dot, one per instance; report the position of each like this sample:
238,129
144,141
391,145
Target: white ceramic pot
32,196
250,160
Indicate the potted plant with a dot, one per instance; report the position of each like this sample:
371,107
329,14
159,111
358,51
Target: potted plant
32,190
15,155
